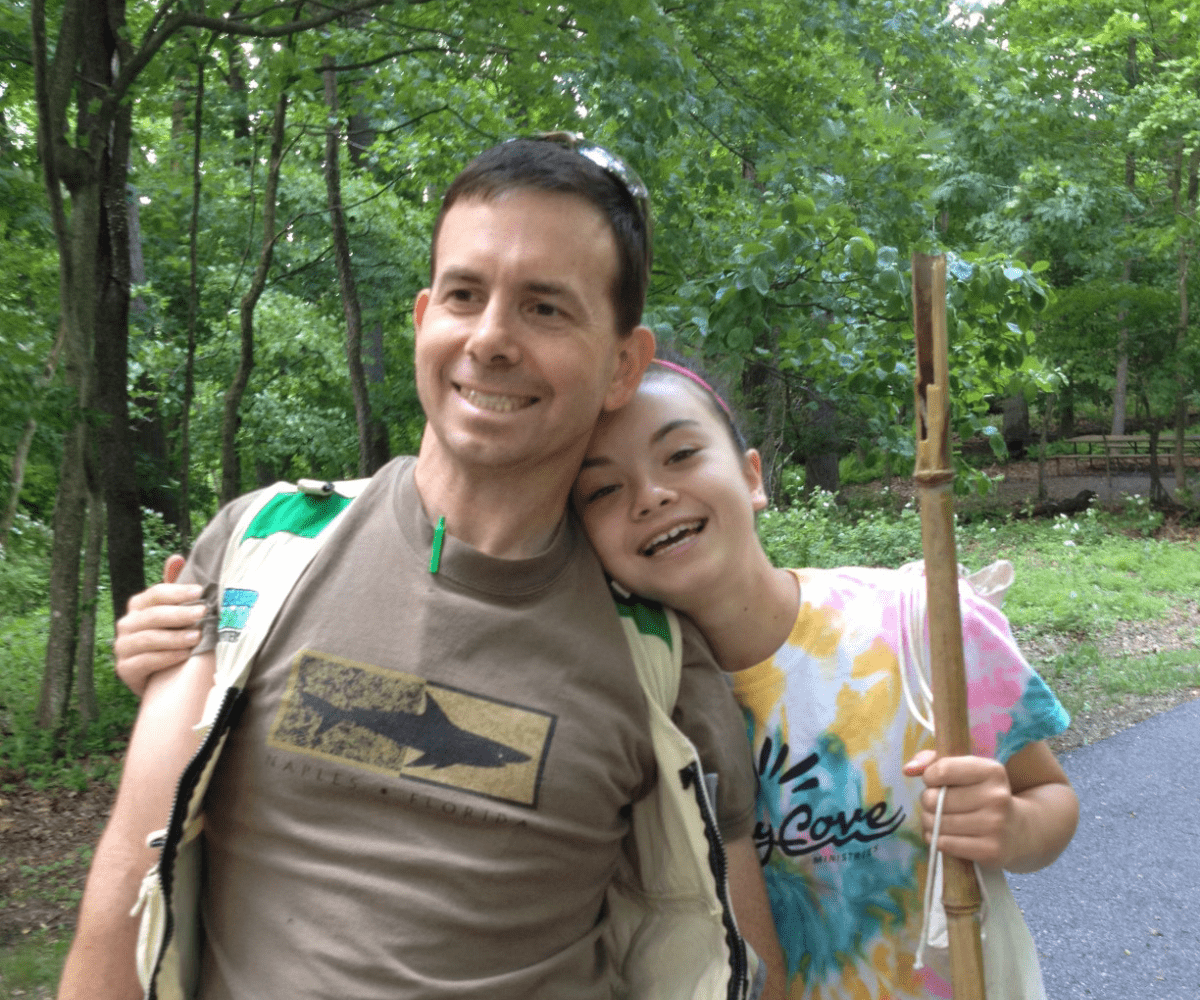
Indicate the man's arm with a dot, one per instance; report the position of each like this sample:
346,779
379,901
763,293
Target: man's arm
101,962
748,893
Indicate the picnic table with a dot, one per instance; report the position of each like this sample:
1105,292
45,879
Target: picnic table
1115,445
1132,449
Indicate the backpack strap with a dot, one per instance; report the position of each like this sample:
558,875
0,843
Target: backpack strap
272,544
671,931
274,541
656,645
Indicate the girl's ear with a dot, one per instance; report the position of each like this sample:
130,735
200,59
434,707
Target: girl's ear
752,471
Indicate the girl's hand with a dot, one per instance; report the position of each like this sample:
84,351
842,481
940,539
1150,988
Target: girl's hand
979,817
159,628
1019,816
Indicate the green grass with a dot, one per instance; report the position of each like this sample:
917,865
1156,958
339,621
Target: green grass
1084,679
31,966
1085,575
54,881
1079,581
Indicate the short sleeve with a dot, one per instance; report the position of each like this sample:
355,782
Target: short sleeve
708,715
1010,705
204,565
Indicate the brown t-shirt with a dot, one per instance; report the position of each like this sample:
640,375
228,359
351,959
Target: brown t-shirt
426,795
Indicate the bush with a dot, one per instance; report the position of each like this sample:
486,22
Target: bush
818,532
68,756
25,567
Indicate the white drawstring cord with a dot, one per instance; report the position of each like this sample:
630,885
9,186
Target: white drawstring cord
912,613
935,862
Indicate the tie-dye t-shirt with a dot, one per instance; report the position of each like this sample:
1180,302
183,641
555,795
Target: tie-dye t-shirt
839,829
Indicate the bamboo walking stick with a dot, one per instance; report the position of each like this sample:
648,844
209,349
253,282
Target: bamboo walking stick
934,475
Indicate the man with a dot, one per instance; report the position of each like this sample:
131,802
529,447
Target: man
427,792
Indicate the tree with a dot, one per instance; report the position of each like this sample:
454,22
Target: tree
84,114
1105,193
346,283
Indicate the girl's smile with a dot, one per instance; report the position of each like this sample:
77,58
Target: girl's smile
672,539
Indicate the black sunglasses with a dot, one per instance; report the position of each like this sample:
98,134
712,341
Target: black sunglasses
611,164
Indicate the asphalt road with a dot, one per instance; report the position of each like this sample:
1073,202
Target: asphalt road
1118,915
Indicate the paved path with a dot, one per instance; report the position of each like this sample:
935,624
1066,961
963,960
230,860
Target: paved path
1118,915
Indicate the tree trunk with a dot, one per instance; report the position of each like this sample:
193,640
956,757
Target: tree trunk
1181,376
1045,406
1157,493
380,446
1186,200
20,456
1066,411
85,655
341,253
69,514
1016,425
87,73
189,367
231,467
765,393
1121,388
81,67
117,463
821,464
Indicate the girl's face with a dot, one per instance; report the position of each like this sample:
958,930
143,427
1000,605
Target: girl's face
667,500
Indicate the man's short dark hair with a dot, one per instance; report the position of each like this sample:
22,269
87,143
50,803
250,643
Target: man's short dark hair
532,164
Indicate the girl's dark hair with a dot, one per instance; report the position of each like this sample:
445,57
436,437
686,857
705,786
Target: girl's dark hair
668,364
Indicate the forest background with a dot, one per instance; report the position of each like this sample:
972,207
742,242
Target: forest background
215,218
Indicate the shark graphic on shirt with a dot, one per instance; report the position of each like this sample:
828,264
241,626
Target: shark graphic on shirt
439,740
399,725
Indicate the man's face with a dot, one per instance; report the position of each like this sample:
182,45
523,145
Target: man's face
517,351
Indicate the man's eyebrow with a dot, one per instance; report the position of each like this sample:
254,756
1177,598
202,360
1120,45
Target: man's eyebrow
556,290
546,288
460,274
671,425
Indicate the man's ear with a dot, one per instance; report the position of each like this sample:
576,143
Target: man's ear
634,354
419,307
752,471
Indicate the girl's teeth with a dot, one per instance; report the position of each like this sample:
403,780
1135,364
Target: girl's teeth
669,538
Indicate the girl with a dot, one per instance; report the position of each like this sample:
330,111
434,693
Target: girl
848,780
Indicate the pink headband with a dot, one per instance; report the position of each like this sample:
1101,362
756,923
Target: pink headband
680,370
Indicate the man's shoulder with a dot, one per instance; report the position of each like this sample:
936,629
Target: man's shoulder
695,646
383,478
225,522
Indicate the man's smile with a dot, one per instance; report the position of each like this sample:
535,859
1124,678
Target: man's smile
494,401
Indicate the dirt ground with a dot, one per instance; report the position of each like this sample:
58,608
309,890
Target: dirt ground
46,837
45,847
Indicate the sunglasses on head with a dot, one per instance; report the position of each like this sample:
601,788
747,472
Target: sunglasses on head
610,163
